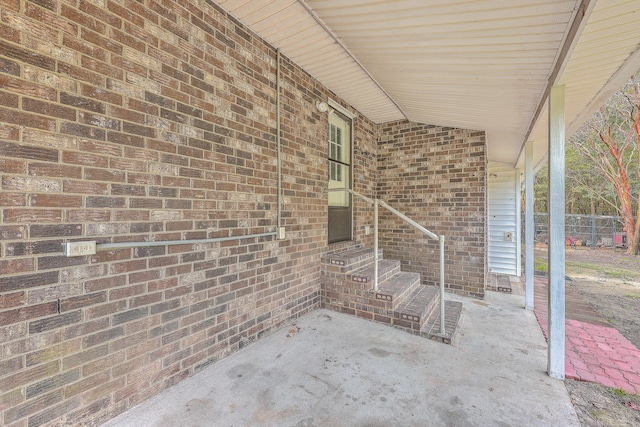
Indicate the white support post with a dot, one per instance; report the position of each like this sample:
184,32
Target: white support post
518,230
529,233
556,261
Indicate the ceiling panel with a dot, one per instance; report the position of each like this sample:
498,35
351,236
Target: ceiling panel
604,58
477,64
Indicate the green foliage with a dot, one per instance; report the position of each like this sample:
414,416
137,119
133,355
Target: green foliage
618,392
600,270
587,190
540,191
540,264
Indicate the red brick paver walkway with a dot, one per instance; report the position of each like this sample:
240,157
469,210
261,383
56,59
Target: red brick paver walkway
594,351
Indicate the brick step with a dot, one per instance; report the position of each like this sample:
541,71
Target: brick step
348,261
415,309
431,329
401,301
398,287
386,269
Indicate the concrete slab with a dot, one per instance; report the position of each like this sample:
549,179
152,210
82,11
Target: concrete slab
338,370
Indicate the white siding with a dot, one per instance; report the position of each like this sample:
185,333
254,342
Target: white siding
503,217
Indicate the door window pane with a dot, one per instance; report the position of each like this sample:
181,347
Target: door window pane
339,139
339,159
338,178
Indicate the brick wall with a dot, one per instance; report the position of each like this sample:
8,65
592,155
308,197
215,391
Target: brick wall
126,121
435,176
365,175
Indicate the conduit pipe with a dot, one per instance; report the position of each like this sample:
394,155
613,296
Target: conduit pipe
278,159
129,245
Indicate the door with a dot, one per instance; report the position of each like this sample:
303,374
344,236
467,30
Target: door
339,151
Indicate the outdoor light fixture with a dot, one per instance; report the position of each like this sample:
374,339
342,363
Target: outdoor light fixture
322,106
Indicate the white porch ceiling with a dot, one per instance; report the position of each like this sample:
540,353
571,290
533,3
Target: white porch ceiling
475,64
606,55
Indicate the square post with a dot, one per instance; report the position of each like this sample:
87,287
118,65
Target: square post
556,261
518,230
529,232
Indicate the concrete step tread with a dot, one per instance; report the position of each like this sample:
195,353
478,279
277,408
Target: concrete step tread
386,268
398,286
345,257
431,328
349,260
419,304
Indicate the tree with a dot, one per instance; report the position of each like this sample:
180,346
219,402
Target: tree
587,191
611,140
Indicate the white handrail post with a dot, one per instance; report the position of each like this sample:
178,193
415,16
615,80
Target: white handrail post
375,245
442,328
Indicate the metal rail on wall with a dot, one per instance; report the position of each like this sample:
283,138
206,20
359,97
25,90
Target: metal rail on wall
129,245
440,238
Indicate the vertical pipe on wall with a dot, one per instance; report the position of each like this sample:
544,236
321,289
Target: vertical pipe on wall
375,245
278,159
556,260
529,233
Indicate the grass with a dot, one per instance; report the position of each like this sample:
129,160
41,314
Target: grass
541,264
606,271
618,392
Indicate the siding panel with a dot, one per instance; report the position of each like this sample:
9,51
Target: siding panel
502,208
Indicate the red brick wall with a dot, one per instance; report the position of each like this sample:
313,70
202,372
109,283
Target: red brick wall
365,176
436,176
127,122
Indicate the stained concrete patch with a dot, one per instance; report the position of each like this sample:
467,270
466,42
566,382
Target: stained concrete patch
379,352
338,370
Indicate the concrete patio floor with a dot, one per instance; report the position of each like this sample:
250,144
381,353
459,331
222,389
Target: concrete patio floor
338,370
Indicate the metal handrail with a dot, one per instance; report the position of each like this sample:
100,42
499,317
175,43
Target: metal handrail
440,238
409,220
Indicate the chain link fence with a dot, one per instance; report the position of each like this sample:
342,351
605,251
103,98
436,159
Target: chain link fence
585,230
